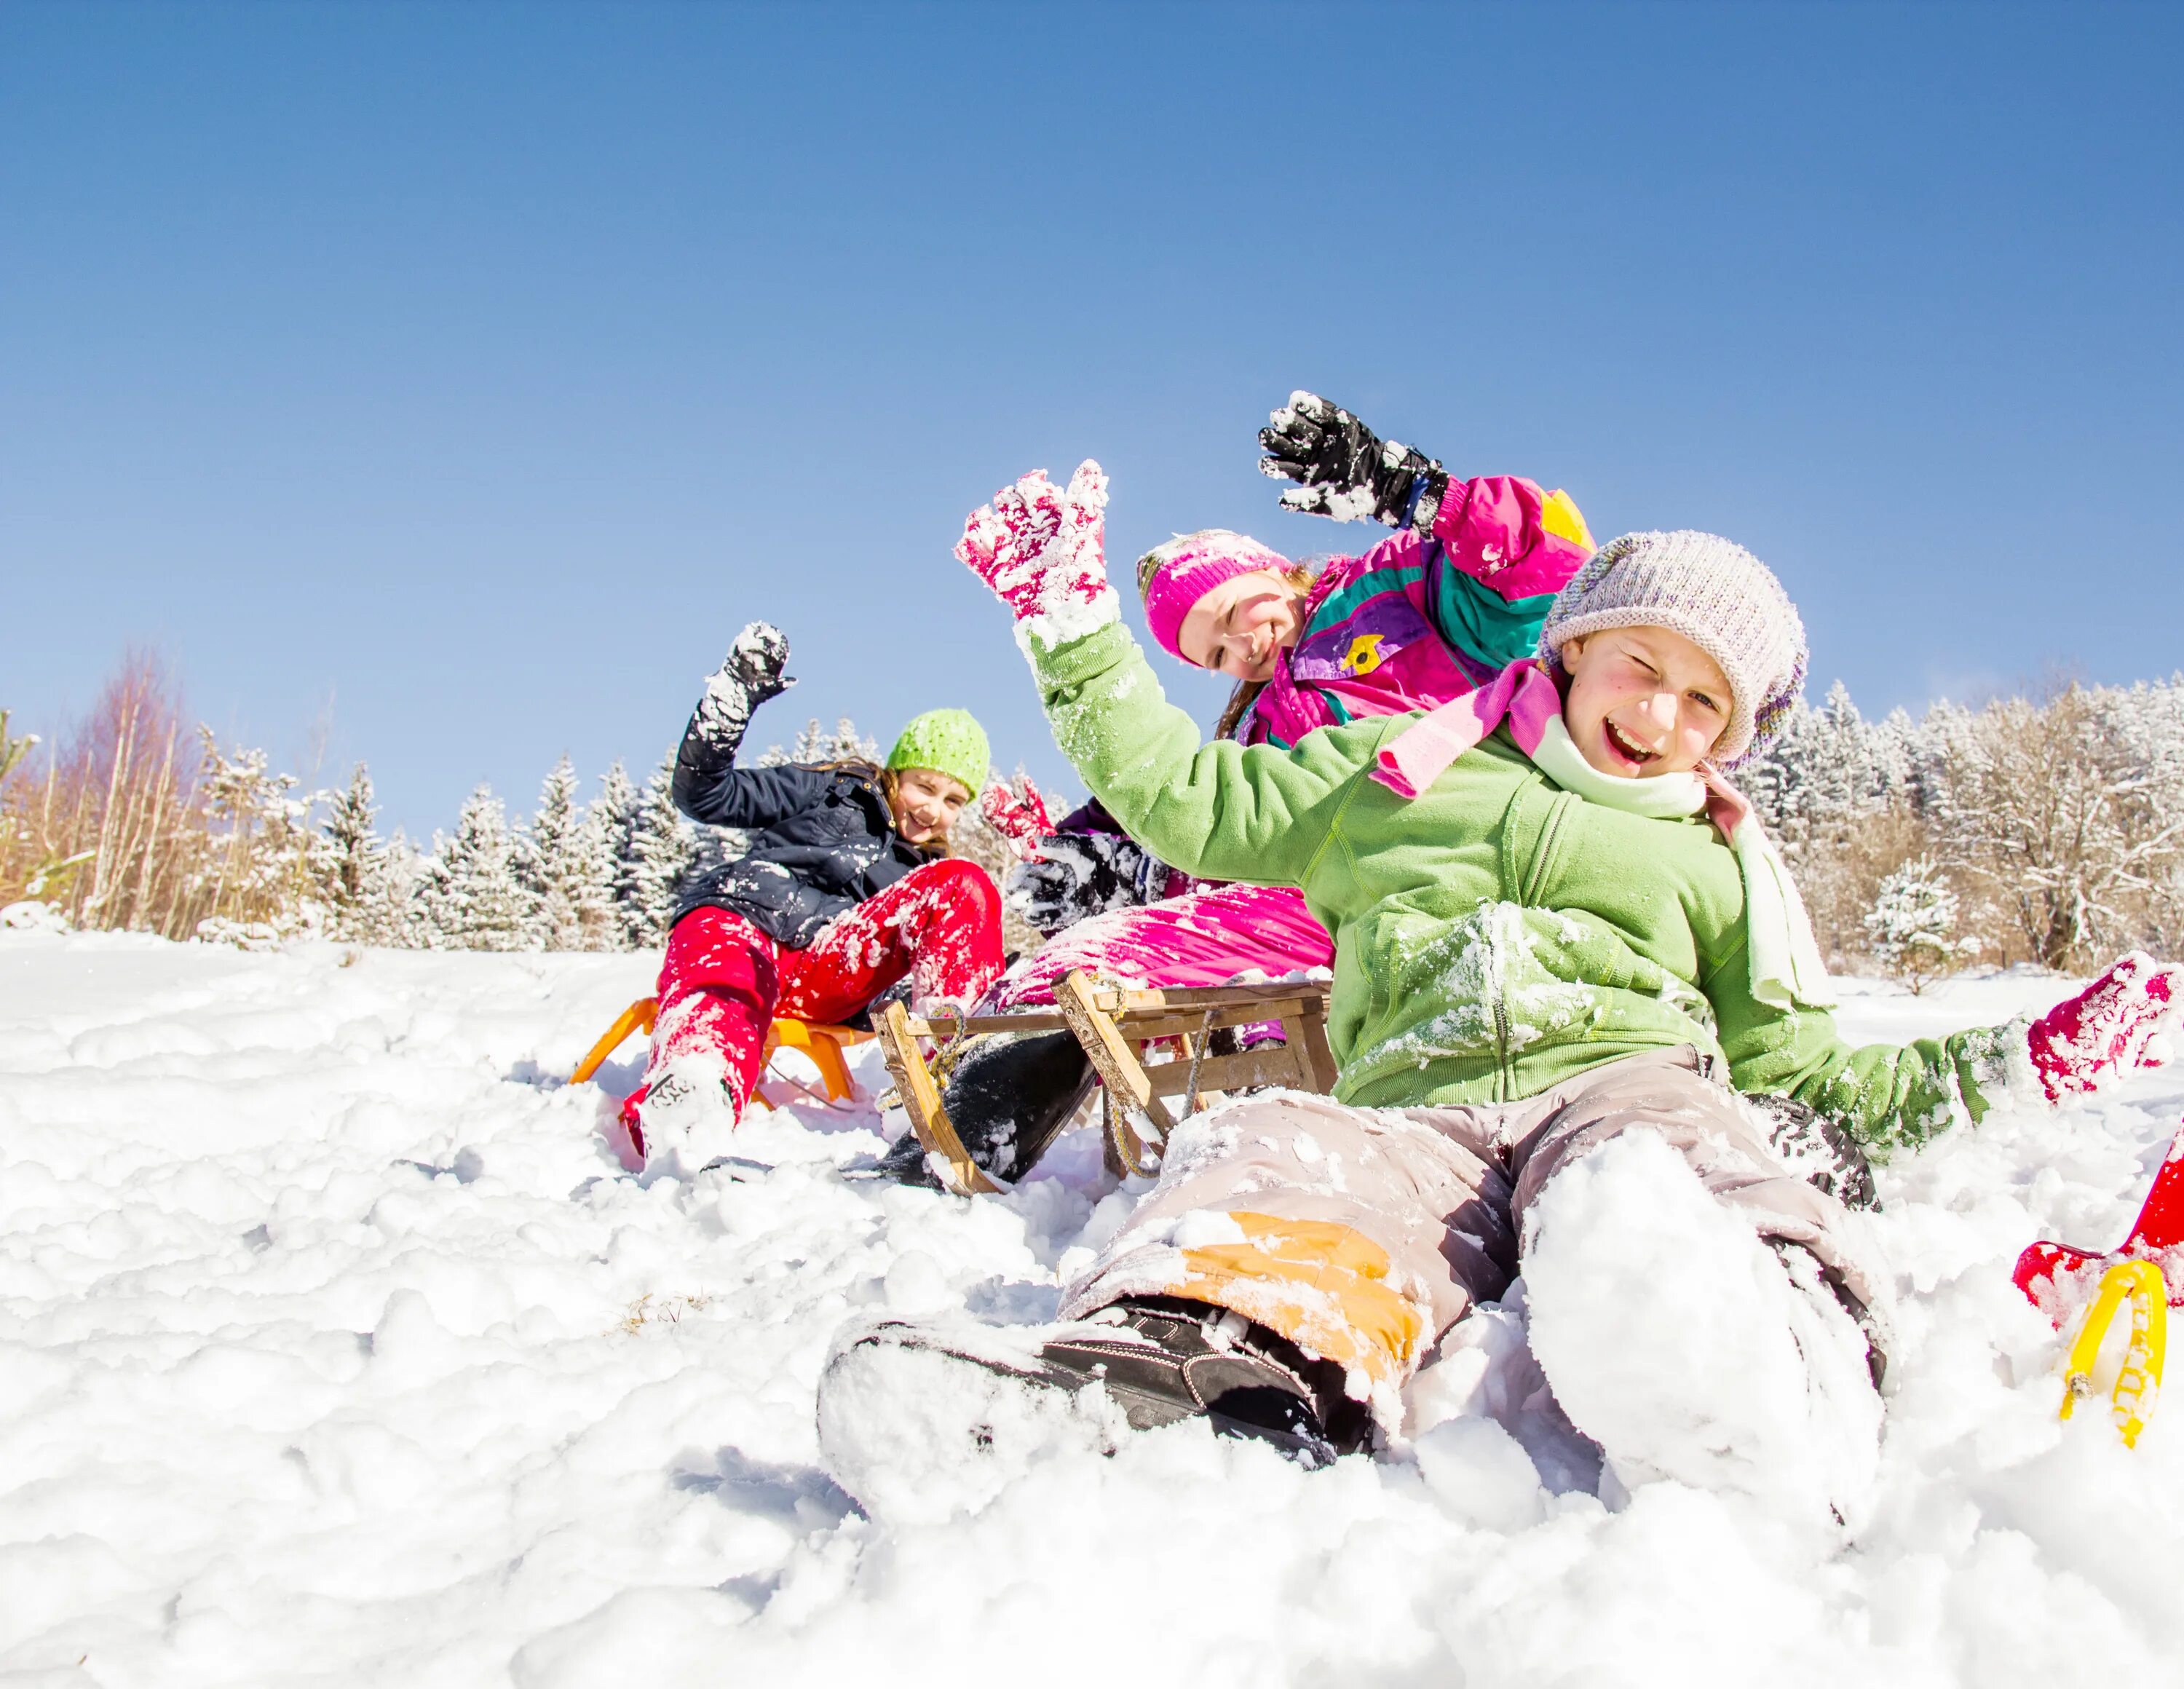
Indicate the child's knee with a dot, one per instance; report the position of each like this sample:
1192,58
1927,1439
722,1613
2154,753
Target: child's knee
712,949
963,882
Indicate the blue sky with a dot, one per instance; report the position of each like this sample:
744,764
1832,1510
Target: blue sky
483,368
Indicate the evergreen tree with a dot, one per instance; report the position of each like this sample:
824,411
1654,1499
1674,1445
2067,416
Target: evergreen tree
611,819
472,897
352,865
398,915
559,869
842,742
655,854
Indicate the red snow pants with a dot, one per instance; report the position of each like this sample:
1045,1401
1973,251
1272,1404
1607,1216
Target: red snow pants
723,981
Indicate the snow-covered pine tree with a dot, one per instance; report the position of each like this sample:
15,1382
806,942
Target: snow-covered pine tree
842,742
352,868
472,897
399,915
611,819
655,857
1912,927
560,868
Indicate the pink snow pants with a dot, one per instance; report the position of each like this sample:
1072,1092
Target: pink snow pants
723,981
1203,938
1362,1235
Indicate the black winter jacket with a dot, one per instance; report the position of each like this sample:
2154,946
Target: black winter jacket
824,839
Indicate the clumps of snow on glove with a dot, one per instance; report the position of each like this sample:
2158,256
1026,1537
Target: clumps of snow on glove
1078,875
1042,552
748,676
2124,1020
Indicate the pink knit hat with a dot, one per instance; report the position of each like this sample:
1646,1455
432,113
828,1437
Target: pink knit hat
1174,577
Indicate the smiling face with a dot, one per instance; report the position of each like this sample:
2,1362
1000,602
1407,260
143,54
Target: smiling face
1243,625
1643,701
925,803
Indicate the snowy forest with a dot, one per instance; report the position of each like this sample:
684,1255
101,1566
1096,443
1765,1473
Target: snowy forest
2048,830
133,823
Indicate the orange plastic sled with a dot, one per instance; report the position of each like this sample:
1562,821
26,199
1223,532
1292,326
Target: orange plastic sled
823,1043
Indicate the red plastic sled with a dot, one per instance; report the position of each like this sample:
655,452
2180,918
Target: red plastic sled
2047,1272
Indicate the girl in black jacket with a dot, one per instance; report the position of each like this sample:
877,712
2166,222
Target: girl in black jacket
845,889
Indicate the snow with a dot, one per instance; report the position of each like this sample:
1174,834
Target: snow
338,1347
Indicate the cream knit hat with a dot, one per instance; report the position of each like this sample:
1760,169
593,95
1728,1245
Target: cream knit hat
1712,592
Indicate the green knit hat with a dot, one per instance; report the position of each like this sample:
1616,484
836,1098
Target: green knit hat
949,740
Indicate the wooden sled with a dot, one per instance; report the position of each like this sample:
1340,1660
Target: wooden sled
1115,1025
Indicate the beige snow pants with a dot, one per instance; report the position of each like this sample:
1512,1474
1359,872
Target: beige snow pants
1362,1235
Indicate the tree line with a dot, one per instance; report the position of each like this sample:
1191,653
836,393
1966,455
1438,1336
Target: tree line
2048,830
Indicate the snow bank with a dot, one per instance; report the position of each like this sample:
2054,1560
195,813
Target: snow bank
336,1345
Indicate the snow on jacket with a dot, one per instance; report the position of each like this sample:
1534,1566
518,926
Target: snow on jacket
1419,619
824,839
1496,935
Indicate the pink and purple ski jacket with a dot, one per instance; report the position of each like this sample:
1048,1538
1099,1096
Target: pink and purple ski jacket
1419,619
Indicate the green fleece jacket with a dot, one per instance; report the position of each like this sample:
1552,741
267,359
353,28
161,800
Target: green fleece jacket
1496,935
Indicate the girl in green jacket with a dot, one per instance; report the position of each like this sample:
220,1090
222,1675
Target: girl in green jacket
1562,946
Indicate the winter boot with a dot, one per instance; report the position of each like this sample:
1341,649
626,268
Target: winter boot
1007,1098
1678,1340
683,1114
949,1390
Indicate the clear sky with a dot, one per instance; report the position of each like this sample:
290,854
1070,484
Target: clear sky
485,367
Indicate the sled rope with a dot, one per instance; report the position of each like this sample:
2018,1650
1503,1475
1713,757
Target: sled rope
1197,1059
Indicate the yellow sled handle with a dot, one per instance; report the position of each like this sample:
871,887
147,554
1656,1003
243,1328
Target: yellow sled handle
2138,1386
638,1015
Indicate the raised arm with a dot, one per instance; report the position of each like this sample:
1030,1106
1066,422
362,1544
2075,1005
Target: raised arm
1220,811
1491,552
1897,1096
709,788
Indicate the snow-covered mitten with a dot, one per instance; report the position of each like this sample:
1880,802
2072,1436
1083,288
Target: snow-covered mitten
748,676
2120,1022
1022,822
1042,552
1078,875
1345,470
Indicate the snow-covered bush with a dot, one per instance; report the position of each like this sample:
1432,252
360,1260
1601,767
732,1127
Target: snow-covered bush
1912,927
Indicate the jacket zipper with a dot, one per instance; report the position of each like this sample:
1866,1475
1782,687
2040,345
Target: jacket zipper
1501,1042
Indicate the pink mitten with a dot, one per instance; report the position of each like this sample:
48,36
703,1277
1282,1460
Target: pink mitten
1041,552
2117,1023
1024,822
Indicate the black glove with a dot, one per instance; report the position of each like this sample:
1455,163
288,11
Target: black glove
1080,874
1345,469
750,674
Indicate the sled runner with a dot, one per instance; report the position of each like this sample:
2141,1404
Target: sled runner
822,1044
1115,1027
2146,1273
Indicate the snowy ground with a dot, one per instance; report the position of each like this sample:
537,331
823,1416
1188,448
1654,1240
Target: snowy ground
336,1347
